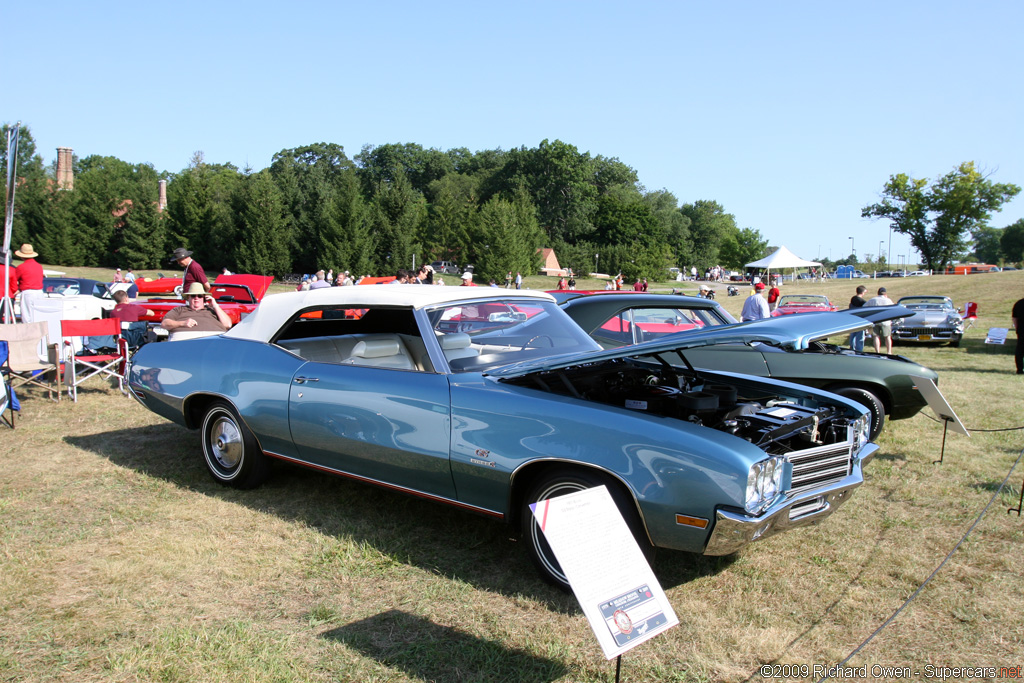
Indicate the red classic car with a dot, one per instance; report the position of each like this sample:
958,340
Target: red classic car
803,303
238,295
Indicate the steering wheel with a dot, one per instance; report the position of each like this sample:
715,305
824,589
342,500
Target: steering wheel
535,338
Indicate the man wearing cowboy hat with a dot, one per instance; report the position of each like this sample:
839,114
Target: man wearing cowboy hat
30,282
193,271
201,313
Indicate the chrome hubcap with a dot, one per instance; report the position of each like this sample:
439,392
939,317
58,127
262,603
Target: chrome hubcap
226,443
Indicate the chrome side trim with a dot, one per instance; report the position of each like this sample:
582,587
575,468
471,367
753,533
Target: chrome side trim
385,485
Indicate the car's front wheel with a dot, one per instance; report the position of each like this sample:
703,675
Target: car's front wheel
869,401
232,455
559,483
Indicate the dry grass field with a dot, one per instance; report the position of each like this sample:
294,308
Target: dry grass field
121,560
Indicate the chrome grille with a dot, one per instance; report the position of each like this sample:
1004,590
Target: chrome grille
820,466
918,331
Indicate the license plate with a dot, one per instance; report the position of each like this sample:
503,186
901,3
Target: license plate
924,337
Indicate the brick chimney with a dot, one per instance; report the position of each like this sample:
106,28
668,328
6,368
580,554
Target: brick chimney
162,204
65,172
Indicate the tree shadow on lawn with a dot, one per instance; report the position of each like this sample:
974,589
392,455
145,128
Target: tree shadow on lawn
431,652
433,537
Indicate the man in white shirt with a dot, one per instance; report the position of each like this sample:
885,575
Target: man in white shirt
755,307
882,330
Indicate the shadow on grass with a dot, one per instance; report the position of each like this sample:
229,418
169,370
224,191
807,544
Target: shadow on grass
427,651
435,538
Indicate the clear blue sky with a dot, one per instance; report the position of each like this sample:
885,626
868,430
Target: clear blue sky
792,115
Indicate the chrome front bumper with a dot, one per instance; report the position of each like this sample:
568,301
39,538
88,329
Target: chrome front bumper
733,530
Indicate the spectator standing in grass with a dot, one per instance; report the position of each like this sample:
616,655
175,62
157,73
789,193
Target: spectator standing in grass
857,338
1017,317
882,330
30,282
755,307
519,280
320,282
193,271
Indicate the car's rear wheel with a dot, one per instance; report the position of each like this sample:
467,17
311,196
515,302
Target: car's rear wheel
559,483
230,450
869,401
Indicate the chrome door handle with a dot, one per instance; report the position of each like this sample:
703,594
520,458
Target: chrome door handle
303,380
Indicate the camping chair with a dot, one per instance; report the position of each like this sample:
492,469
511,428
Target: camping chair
24,365
8,401
90,363
970,314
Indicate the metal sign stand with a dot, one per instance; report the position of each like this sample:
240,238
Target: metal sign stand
1020,503
945,428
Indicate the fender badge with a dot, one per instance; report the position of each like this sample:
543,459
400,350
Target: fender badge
488,463
481,453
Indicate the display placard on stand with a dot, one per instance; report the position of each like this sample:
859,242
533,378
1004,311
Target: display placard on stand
608,572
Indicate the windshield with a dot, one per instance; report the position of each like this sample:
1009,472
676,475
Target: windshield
803,300
482,335
925,303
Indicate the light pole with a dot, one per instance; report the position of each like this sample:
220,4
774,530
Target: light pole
880,243
853,250
595,262
889,255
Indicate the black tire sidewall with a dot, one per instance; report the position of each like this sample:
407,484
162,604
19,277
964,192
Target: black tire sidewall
870,401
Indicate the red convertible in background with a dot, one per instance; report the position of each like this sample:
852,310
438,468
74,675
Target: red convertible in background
803,303
238,295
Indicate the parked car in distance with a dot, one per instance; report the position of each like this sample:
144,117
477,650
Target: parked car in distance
803,303
445,267
492,401
918,273
935,319
93,298
884,384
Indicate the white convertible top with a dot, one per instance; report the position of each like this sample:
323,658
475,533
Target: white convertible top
275,309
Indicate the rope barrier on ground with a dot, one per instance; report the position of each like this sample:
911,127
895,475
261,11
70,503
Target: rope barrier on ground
932,575
971,429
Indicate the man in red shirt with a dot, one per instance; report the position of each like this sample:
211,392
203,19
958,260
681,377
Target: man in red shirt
30,282
467,280
193,271
127,312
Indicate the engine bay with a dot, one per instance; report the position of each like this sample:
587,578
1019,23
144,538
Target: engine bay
776,424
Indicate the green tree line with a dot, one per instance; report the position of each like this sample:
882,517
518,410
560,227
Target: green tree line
390,206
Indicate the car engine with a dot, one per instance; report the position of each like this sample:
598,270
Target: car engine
777,425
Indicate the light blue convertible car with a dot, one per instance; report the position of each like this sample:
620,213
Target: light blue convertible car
489,401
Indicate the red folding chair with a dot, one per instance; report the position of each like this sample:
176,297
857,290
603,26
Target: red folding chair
85,366
970,314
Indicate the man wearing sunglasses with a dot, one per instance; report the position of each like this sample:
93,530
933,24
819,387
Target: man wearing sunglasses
201,315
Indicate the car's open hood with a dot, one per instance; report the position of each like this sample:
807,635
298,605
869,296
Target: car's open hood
791,332
259,284
879,314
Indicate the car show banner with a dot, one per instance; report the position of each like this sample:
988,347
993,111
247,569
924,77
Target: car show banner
608,572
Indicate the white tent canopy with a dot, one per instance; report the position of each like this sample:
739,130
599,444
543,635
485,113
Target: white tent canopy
782,258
